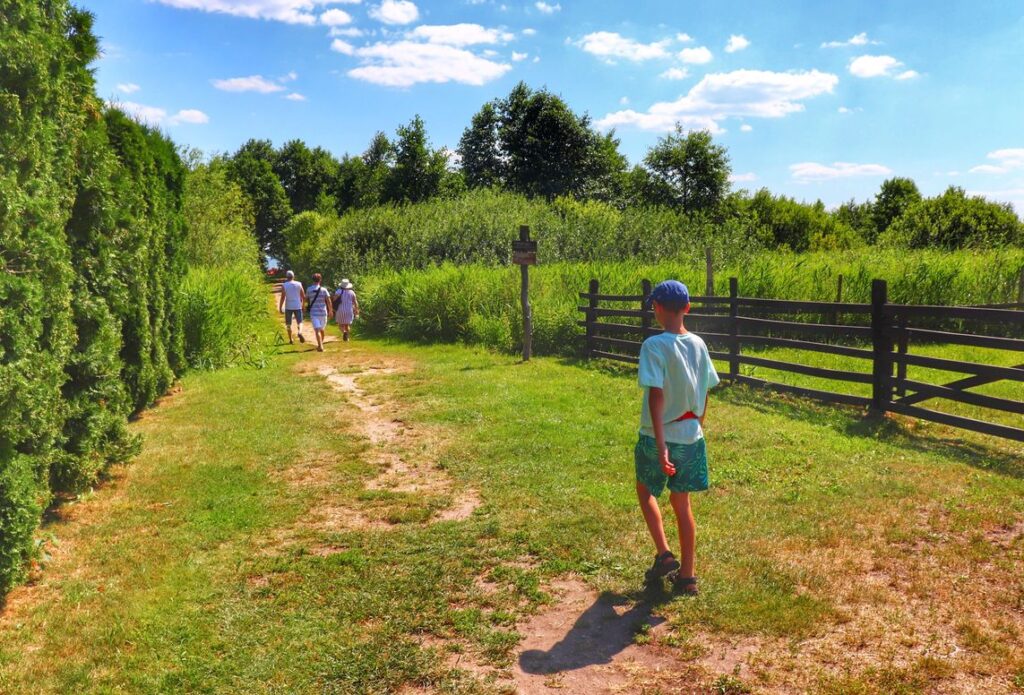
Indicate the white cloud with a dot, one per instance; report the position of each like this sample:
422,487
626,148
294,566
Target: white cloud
395,12
406,63
460,34
737,42
675,74
697,56
546,8
879,66
860,39
624,101
128,87
150,115
843,109
743,178
684,38
290,11
343,47
609,44
516,56
812,171
741,93
1007,160
253,83
746,127
1013,196
295,96
335,18
536,59
155,116
290,77
529,32
348,32
191,116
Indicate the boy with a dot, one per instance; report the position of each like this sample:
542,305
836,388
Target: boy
676,373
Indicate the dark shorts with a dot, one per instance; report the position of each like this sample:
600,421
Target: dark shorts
289,313
691,462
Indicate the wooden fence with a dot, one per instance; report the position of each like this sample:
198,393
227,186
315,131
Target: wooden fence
881,334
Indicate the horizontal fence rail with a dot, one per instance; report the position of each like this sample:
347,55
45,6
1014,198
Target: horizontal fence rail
879,335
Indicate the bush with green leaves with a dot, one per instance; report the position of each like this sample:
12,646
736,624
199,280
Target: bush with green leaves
90,264
955,221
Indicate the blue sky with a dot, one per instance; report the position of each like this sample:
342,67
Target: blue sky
813,99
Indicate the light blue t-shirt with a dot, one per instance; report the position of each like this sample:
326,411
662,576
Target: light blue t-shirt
680,365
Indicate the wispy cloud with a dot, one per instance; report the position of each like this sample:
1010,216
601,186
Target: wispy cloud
1006,160
288,11
860,39
253,83
610,45
405,63
460,34
128,87
545,8
867,66
395,12
806,172
696,56
675,74
737,42
741,93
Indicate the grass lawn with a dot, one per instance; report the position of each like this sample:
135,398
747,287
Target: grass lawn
247,548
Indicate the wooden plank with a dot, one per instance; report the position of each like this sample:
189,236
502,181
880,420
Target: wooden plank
965,423
986,341
827,396
635,313
620,328
956,312
827,348
639,297
633,345
960,384
788,306
615,356
1011,373
817,330
820,372
960,396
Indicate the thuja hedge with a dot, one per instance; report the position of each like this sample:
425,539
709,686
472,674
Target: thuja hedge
90,262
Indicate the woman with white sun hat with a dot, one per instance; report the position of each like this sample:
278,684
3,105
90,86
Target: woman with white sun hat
346,306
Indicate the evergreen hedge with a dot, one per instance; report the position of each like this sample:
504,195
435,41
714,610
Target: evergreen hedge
90,266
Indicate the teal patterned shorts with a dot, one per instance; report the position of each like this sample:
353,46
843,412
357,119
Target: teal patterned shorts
691,462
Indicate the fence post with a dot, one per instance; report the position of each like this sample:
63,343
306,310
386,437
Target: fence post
591,317
709,271
645,320
1020,289
839,298
734,328
881,392
901,348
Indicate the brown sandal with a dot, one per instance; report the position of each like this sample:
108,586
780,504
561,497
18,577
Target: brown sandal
685,585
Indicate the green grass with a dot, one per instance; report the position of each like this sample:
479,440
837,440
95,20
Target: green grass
197,569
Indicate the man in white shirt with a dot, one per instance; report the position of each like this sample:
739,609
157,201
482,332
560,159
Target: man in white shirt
292,299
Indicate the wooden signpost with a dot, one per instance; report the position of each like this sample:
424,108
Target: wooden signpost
524,254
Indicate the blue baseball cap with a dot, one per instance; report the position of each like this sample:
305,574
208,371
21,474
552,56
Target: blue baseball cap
669,291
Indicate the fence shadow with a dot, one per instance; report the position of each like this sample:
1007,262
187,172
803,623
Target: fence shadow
856,423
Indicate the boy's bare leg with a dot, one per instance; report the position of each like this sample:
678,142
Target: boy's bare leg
652,515
687,531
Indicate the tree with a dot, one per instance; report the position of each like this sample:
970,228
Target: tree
218,216
306,175
418,170
479,149
953,221
531,142
799,226
895,196
689,171
251,167
859,217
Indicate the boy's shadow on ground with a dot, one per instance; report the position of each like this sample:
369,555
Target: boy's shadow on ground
598,634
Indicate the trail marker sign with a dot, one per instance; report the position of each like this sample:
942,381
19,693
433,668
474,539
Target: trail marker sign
524,252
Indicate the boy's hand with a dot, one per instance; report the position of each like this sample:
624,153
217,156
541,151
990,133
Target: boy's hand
666,465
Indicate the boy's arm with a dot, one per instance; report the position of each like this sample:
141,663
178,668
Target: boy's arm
656,401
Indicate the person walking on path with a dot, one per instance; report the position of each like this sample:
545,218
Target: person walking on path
319,309
290,303
346,307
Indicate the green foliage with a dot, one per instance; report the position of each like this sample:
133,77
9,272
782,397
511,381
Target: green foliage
480,305
894,198
307,175
479,227
798,226
954,221
90,262
481,156
221,306
688,171
252,168
418,170
219,218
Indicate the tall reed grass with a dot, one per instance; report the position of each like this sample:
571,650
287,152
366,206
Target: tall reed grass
222,310
480,305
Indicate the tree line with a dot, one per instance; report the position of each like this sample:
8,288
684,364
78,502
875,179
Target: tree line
532,143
